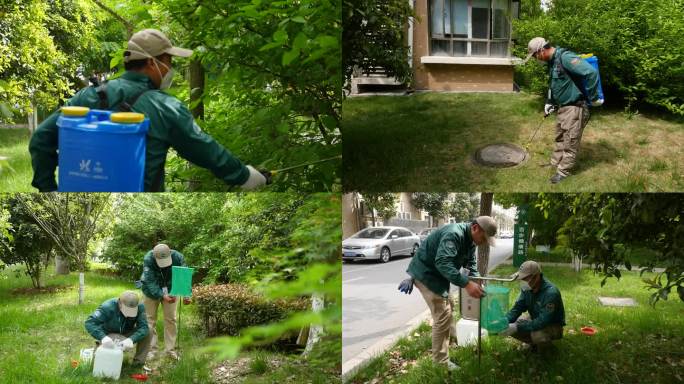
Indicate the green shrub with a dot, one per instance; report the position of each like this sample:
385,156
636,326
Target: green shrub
228,308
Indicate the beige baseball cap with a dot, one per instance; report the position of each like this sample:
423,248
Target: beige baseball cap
528,268
152,43
489,226
534,46
129,303
162,255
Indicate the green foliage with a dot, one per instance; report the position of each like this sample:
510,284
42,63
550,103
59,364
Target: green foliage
384,203
317,236
227,309
71,220
463,206
638,44
273,85
23,241
435,203
40,45
374,34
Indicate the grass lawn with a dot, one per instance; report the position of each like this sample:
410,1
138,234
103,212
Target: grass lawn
632,345
424,142
14,145
40,333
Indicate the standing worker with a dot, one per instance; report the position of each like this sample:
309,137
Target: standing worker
437,264
569,76
148,72
156,285
121,320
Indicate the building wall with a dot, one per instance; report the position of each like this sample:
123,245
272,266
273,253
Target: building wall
453,77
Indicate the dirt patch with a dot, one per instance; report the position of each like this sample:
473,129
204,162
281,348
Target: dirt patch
234,371
38,291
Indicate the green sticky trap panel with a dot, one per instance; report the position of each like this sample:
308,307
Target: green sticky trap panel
494,308
181,281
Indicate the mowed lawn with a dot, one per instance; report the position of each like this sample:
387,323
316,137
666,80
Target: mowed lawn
425,142
632,345
15,171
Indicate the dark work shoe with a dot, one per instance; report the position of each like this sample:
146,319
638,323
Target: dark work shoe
555,179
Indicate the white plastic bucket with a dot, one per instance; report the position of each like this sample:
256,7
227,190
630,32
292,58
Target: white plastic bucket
108,362
466,332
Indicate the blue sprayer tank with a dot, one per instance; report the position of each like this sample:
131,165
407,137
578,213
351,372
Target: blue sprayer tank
101,151
593,60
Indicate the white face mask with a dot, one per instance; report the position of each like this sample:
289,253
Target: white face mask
525,286
166,80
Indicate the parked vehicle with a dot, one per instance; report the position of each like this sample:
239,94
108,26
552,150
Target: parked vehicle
380,243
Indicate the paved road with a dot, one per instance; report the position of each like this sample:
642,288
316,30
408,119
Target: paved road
372,308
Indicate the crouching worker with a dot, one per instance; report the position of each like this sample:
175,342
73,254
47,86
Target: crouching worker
542,300
121,321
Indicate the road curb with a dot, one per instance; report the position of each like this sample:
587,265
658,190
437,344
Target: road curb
353,365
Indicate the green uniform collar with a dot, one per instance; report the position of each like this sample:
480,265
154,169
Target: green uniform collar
138,77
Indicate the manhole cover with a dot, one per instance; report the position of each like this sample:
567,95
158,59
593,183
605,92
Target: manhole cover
500,155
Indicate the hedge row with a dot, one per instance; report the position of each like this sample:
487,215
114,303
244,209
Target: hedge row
227,308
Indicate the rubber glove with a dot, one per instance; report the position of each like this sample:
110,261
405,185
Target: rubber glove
512,328
107,342
549,109
127,344
256,179
406,286
597,103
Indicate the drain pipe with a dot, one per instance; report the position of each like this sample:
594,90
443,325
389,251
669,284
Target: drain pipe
410,34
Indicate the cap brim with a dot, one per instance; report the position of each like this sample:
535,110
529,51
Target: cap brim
163,263
527,58
491,240
180,52
128,311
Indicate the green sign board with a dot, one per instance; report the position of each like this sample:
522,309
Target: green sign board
520,236
181,281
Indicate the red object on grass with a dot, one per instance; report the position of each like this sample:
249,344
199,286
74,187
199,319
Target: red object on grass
589,331
139,376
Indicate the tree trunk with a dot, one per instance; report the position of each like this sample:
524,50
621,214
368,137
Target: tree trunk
315,332
81,288
486,199
61,265
197,88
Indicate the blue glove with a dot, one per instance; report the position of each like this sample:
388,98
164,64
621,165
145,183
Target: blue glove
406,286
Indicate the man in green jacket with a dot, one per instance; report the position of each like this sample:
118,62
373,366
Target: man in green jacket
121,321
569,74
545,306
148,73
437,264
156,285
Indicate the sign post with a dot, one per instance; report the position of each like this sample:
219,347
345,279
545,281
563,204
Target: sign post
520,235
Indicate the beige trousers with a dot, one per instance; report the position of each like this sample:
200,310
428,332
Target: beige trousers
170,326
441,310
569,128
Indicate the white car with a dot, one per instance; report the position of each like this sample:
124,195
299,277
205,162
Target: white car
381,243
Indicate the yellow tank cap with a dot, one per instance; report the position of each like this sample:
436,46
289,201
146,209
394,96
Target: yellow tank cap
75,111
586,55
127,117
